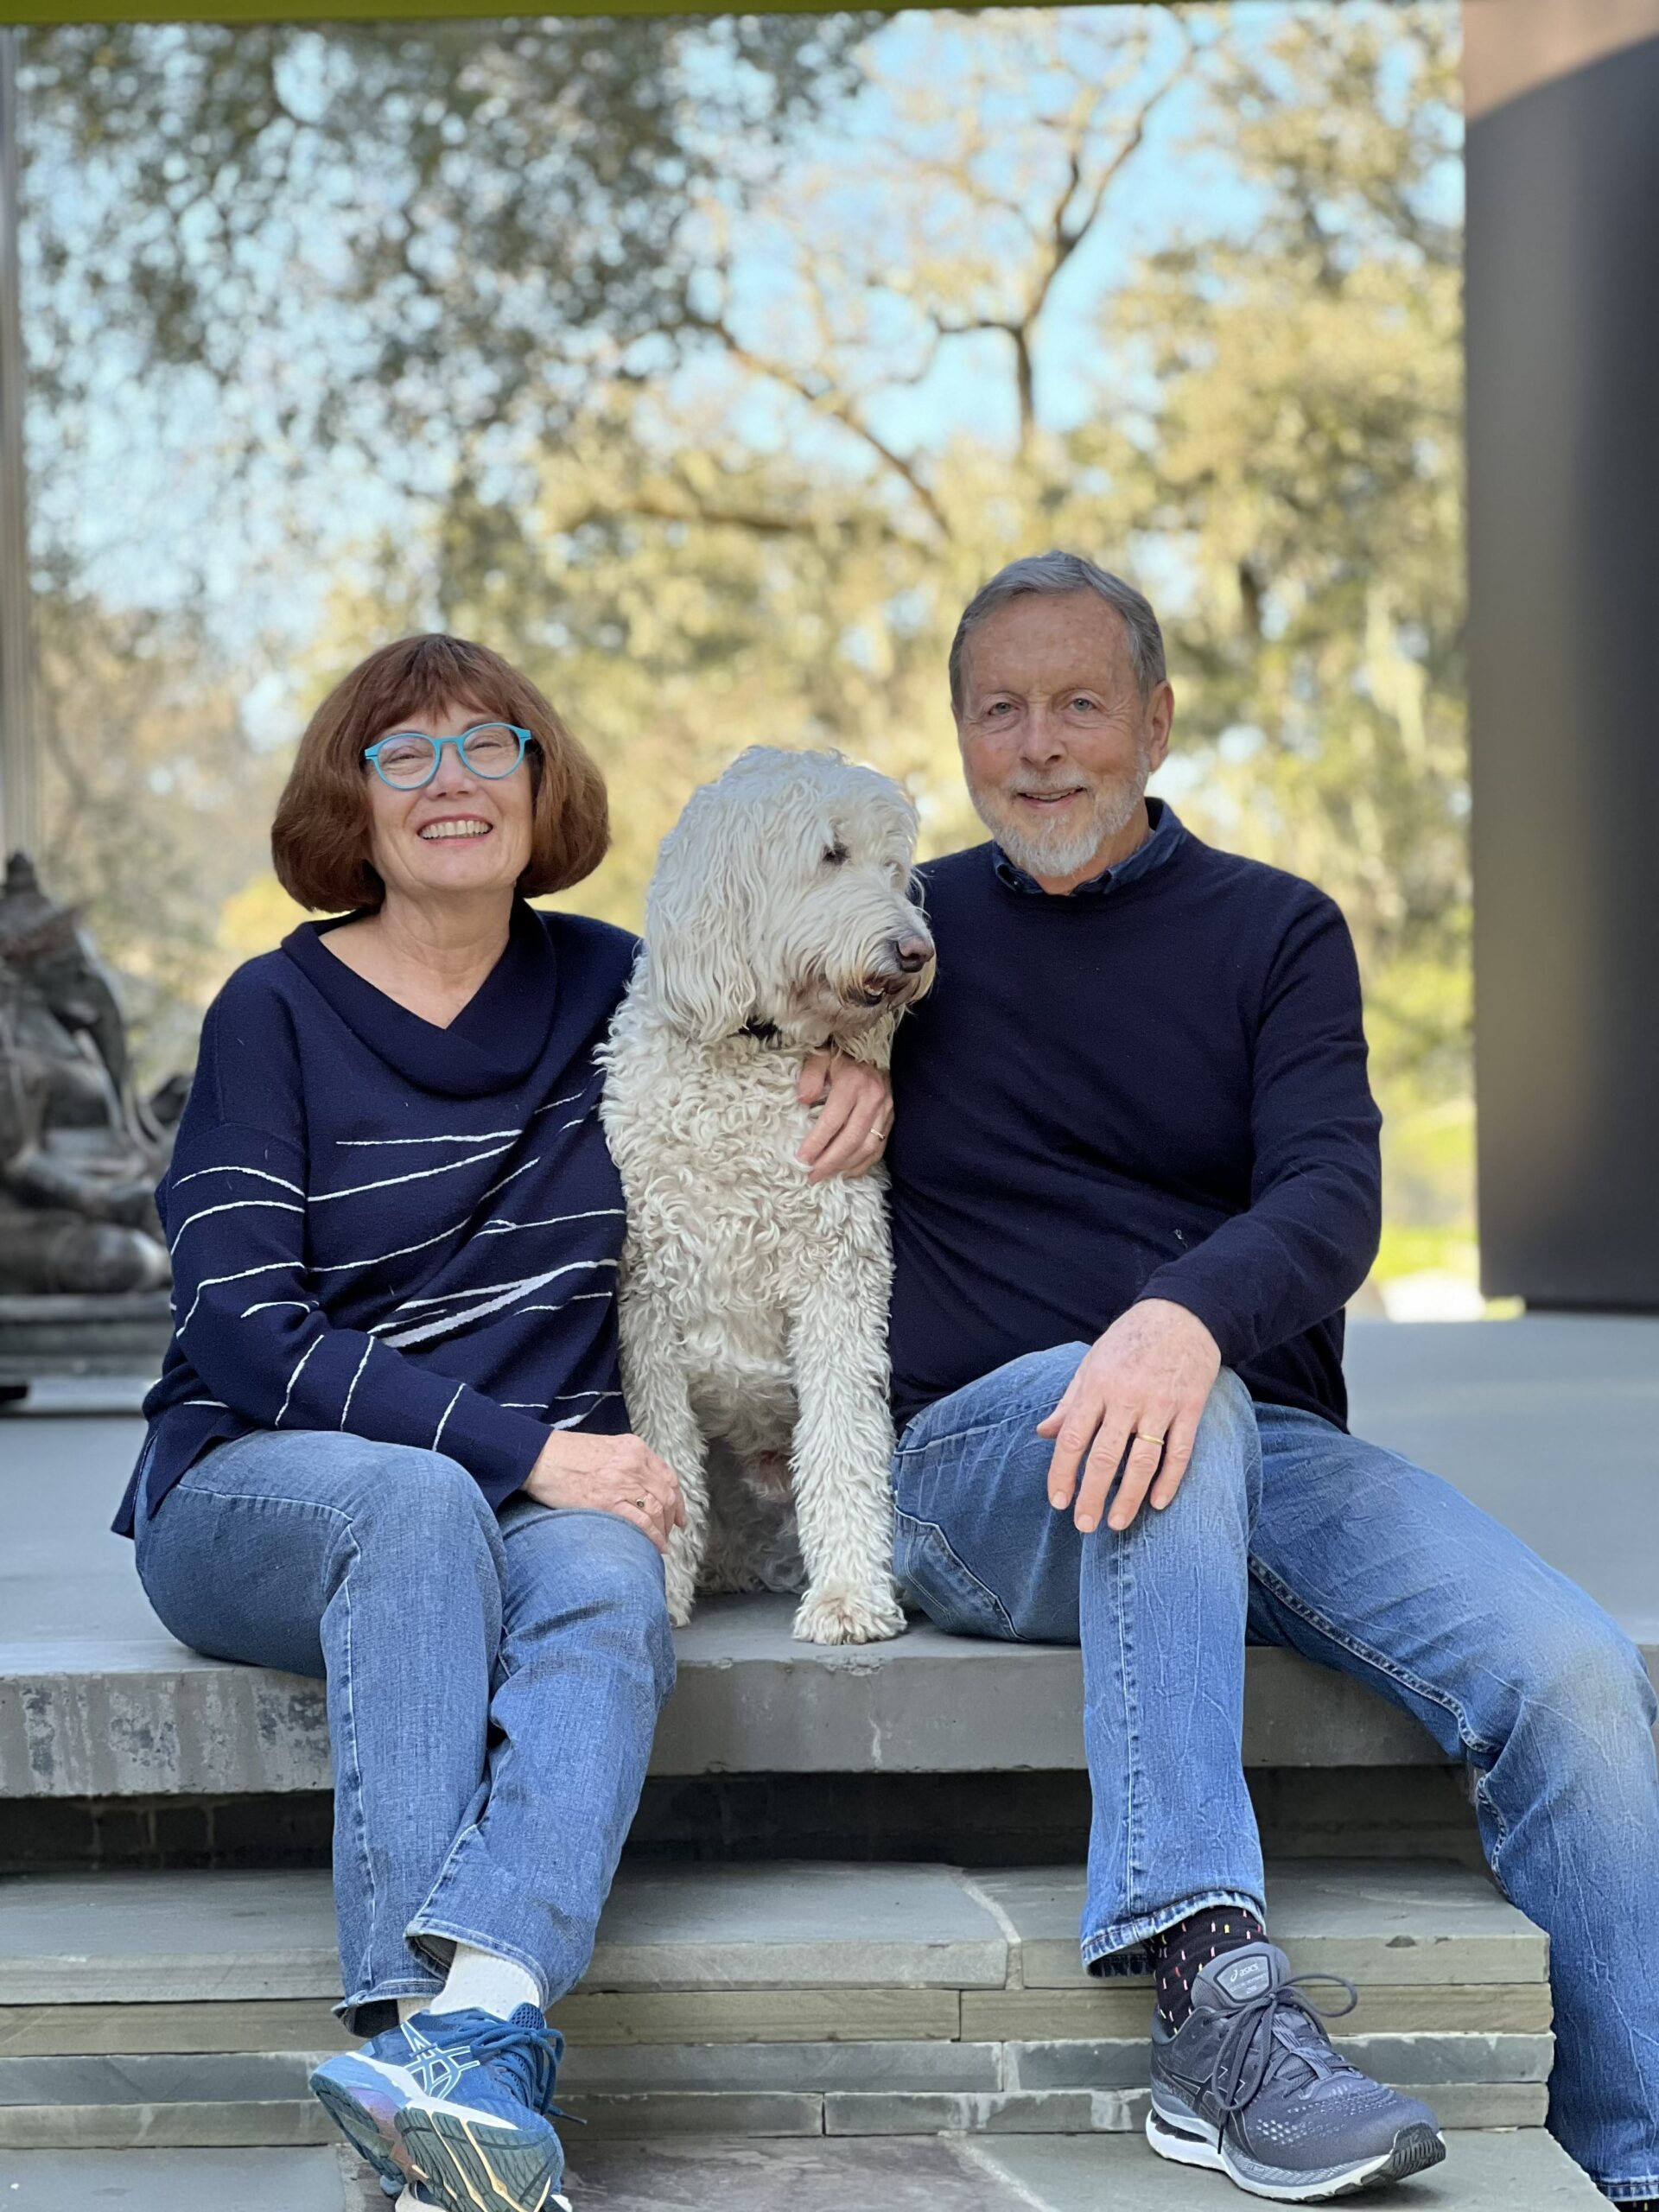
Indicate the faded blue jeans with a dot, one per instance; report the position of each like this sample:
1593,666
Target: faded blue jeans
492,1684
1288,1531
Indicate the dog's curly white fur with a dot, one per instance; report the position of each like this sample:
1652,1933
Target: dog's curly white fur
754,1303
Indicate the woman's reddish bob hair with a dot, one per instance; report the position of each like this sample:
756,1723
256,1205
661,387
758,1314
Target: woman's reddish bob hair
319,839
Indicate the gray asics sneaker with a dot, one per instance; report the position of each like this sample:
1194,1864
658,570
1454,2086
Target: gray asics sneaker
1250,2086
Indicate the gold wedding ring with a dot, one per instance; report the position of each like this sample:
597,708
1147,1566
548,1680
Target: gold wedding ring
1156,1442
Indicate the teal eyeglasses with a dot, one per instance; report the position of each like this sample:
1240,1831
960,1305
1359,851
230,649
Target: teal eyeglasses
409,758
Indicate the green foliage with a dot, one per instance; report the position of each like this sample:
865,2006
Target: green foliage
714,367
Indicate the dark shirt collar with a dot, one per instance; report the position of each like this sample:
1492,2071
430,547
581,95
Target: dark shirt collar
1166,834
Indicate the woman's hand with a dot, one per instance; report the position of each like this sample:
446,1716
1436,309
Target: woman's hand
850,1134
609,1474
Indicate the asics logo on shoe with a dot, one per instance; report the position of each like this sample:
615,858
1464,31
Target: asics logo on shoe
1247,1978
437,2070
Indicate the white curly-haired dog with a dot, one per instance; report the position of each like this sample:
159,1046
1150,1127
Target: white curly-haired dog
754,1303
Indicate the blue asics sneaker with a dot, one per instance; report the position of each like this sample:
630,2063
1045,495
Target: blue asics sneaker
1249,2085
451,2107
476,2132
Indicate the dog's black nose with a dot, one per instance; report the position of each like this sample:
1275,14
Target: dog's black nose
912,954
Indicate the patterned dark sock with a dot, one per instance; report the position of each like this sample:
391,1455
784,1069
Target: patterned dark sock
1180,1951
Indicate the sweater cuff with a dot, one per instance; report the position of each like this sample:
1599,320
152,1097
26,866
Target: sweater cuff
1234,1340
497,1444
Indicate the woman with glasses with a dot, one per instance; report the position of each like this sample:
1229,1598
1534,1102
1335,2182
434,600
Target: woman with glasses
389,1443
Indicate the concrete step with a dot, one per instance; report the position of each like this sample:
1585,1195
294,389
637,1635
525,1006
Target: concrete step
179,2181
98,1701
173,2010
1524,2172
122,1710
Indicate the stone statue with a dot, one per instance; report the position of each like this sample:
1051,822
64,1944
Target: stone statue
80,1154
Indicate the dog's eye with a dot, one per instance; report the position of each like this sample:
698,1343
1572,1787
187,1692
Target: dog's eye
835,855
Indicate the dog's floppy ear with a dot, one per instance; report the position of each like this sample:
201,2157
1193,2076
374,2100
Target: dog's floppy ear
697,914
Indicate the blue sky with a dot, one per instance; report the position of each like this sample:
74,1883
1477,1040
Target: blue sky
144,491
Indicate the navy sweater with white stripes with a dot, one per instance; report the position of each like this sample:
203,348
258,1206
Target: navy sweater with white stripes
378,1225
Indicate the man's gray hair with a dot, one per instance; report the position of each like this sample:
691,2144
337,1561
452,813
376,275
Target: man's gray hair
1052,576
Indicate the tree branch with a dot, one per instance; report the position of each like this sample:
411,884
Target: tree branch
836,404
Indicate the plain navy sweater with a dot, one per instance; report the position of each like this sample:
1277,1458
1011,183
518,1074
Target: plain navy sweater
380,1225
1153,1088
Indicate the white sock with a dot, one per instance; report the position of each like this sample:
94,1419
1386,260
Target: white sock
479,1981
408,2006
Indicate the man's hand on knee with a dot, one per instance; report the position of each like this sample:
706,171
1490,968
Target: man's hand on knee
1142,1389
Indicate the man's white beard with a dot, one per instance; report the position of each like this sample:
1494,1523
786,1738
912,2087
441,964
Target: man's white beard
1061,850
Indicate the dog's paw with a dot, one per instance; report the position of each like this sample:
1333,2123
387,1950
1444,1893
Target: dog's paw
848,1612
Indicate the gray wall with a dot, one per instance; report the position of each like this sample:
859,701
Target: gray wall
1563,398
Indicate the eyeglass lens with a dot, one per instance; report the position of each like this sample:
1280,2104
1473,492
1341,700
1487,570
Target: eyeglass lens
410,758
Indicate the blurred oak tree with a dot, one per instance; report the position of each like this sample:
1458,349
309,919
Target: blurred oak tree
708,368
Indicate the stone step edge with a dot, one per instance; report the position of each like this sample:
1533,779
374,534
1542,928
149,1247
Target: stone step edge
288,2124
739,2016
824,2068
81,1719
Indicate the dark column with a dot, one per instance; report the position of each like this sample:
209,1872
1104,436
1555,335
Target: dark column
1563,403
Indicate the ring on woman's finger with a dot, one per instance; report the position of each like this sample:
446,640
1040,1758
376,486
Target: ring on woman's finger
639,1505
1156,1442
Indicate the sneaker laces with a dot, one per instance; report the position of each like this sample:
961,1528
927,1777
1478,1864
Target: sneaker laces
524,2057
1245,2049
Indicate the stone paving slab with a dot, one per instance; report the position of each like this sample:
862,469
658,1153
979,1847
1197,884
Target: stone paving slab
1522,2172
1083,2111
602,2020
799,1926
660,2113
1526,2171
1379,1922
1054,2112
173,2181
740,2016
138,1937
715,2176
156,2078
163,2127
1048,2015
1124,2062
159,2078
735,2089
176,1937
71,2031
743,2066
607,2020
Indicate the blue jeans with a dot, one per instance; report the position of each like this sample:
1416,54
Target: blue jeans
493,1687
1288,1531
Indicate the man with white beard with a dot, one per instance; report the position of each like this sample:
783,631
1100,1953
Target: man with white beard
1136,1178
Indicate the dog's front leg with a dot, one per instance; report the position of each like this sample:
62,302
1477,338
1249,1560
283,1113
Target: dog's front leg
659,1405
843,1454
